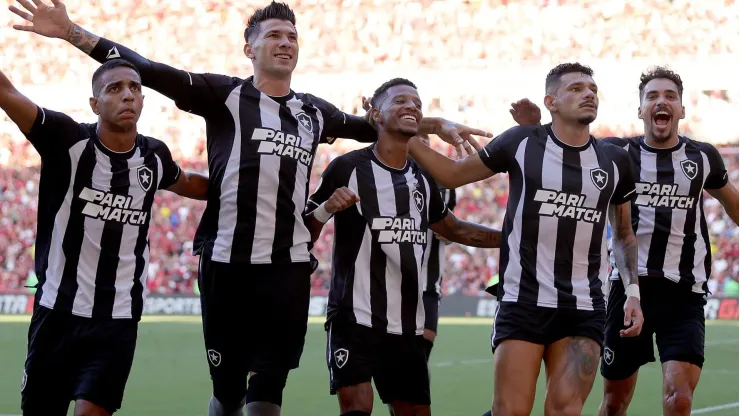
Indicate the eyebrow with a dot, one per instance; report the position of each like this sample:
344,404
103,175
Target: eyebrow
291,32
581,84
110,84
656,91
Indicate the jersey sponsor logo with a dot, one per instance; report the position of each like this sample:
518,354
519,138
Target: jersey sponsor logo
662,195
111,207
276,142
214,357
565,205
395,230
418,200
305,121
341,356
145,176
600,178
689,168
608,356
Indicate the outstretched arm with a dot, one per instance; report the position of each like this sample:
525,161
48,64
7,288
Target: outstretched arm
191,185
625,254
450,173
17,106
191,92
467,233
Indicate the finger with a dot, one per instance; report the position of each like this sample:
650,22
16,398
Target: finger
473,142
469,148
630,332
628,317
57,3
21,13
39,4
28,6
23,28
479,132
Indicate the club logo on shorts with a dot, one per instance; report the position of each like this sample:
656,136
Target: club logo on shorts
24,380
418,200
214,357
689,168
145,176
305,121
608,356
341,356
599,177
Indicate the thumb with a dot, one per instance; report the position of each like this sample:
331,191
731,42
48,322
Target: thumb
628,316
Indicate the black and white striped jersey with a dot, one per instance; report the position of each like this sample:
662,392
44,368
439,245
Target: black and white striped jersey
260,154
379,243
434,258
668,210
554,249
95,205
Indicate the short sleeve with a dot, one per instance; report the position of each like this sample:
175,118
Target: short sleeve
330,181
53,131
625,187
717,177
437,207
170,170
498,153
338,124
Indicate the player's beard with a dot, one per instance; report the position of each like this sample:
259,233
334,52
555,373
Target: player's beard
586,120
664,136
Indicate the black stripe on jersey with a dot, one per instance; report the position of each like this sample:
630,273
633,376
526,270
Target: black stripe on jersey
705,236
635,156
663,215
516,184
105,276
563,270
370,210
285,207
409,272
433,269
142,241
74,233
534,154
688,251
249,175
597,236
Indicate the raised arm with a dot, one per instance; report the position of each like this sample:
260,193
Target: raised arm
191,92
717,182
17,106
728,197
467,233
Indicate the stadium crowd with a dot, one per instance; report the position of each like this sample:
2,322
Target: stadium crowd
205,36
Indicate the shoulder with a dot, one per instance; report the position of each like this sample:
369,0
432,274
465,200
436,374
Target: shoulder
344,165
153,145
621,141
315,101
701,146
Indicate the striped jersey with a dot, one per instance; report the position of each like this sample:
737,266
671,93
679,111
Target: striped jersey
95,206
433,266
668,211
379,243
260,154
554,252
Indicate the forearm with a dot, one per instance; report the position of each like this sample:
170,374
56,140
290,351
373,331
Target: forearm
82,39
314,227
191,185
19,108
429,125
442,168
625,254
470,234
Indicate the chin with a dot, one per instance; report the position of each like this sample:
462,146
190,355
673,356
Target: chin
586,120
409,132
661,137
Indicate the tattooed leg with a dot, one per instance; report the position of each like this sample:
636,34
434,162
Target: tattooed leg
571,365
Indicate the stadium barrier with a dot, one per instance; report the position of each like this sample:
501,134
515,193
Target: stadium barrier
454,305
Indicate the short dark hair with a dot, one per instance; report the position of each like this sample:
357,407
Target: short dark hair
386,86
107,66
273,10
553,77
660,72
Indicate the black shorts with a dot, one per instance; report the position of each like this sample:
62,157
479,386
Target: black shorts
431,310
674,314
357,354
545,326
75,358
255,318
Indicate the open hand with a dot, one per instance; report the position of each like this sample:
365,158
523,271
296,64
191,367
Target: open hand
525,113
49,21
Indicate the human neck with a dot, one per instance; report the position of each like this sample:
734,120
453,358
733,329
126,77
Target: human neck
575,135
271,85
667,144
392,151
117,141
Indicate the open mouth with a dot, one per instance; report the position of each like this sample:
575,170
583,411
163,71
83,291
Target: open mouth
409,117
661,118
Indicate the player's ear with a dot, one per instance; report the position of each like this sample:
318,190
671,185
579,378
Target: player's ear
248,51
550,102
94,105
683,112
376,115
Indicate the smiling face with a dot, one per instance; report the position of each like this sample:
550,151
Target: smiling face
400,111
575,99
661,109
119,100
274,48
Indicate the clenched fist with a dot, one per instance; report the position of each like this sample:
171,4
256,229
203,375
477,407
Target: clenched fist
341,199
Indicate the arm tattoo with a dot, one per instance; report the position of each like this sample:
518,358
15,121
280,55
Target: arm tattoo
625,244
476,235
81,38
582,357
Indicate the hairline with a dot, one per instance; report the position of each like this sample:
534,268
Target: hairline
103,85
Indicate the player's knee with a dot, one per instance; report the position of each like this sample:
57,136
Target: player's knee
511,407
678,400
613,406
563,405
267,387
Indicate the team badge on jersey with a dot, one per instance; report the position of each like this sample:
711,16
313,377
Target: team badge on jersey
341,356
608,356
305,121
214,357
689,168
418,200
600,178
145,176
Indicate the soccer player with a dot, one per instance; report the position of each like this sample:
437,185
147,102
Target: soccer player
562,185
96,192
384,206
261,140
674,255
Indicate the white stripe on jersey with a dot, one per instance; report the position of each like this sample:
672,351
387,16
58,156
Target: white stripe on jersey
648,173
584,230
418,248
678,221
229,186
700,247
56,263
548,235
514,266
361,283
300,232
